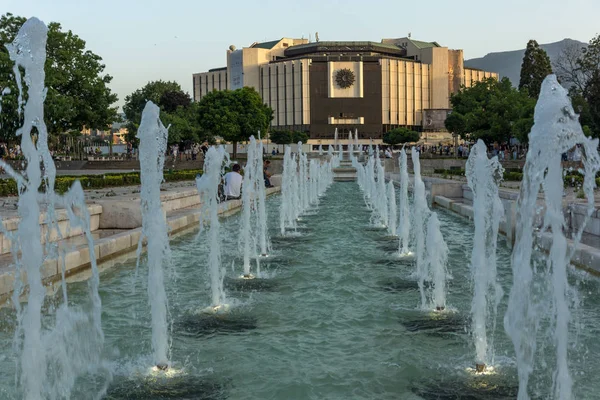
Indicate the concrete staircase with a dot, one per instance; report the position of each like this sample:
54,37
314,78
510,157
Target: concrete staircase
345,173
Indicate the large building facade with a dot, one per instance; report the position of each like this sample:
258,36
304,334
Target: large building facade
368,87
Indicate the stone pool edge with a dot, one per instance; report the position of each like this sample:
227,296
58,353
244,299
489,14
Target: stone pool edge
584,257
78,259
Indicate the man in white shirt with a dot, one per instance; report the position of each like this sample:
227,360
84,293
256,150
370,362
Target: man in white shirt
233,183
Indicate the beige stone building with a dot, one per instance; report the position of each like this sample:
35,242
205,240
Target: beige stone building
371,87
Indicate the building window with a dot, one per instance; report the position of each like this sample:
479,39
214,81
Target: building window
285,45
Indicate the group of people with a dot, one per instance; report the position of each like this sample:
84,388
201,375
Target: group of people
190,151
11,153
232,181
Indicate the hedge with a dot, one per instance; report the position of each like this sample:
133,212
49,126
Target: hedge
8,187
574,179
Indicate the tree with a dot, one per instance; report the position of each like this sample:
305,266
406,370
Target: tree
234,115
567,69
580,68
78,94
535,68
136,101
281,137
401,135
172,99
491,110
299,136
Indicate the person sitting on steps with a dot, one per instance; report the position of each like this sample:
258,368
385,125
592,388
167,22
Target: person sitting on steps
233,183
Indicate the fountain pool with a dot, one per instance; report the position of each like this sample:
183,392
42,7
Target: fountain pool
326,328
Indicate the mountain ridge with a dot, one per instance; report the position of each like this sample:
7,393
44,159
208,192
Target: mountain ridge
508,63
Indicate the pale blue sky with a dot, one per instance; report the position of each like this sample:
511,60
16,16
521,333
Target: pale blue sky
144,40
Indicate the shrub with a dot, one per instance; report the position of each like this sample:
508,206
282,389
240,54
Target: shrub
513,176
63,183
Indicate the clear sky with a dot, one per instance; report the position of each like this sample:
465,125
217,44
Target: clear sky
144,40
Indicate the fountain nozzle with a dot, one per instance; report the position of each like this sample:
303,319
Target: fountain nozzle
440,308
479,368
248,276
162,366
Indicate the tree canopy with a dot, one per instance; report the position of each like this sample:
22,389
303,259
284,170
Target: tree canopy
176,110
234,115
288,137
580,69
491,110
534,69
78,93
401,135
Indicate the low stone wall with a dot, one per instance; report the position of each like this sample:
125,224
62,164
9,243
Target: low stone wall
584,256
64,230
126,213
76,258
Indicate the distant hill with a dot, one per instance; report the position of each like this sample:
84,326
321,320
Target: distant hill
508,63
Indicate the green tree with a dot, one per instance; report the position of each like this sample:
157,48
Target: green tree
136,101
299,136
78,94
401,135
535,68
234,115
172,99
491,110
281,137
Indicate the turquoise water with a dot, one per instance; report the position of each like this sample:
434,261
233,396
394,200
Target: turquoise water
337,319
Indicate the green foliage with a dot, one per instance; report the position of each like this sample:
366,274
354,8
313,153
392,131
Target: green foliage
281,137
491,110
535,68
8,187
288,137
298,136
172,99
401,135
234,115
136,101
78,93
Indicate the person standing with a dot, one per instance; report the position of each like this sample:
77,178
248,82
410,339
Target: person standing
267,174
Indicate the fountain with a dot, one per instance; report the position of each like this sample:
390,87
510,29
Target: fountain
261,195
153,144
404,222
484,176
556,130
248,196
320,150
356,143
437,257
392,214
335,139
350,146
287,219
53,354
421,217
382,199
208,185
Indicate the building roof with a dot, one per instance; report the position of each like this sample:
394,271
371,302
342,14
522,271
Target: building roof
424,45
336,47
217,69
266,45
